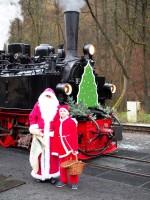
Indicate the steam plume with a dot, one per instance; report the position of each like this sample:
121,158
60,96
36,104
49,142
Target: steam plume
71,5
9,10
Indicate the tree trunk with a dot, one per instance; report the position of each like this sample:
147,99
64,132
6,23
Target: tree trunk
145,56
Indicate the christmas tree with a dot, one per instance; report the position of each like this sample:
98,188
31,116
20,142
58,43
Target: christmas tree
87,88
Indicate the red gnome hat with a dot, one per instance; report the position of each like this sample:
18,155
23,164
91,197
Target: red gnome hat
65,107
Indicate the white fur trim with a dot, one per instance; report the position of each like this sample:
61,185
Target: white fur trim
51,133
45,163
61,138
55,154
33,126
62,156
45,157
62,141
74,119
41,177
46,154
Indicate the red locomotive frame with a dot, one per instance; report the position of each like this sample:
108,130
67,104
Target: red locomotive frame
96,137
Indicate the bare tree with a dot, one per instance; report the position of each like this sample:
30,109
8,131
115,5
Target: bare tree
146,53
118,28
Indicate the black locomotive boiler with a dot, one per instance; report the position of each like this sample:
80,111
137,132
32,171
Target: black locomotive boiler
23,77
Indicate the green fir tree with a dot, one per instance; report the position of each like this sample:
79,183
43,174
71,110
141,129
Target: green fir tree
78,109
87,88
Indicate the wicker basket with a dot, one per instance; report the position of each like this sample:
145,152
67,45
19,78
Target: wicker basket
74,167
67,163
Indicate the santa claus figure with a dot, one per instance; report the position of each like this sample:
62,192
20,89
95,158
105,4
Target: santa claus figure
66,145
44,164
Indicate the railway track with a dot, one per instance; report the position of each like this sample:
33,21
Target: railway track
122,159
118,170
128,158
137,128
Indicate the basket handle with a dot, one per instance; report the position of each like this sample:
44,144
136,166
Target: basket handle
76,157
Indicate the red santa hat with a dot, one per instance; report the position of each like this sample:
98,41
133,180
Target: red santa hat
49,91
64,107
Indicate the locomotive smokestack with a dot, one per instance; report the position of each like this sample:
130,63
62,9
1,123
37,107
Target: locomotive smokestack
71,19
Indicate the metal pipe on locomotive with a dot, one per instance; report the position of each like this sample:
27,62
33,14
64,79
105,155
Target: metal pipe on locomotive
23,78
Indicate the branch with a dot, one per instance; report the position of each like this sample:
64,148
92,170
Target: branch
129,36
108,40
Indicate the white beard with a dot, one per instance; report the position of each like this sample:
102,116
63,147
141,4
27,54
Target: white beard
48,108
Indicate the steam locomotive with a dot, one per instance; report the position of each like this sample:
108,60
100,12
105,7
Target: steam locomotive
23,77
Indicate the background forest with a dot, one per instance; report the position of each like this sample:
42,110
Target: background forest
119,29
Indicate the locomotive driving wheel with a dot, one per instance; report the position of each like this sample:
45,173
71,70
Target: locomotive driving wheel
94,139
6,132
12,126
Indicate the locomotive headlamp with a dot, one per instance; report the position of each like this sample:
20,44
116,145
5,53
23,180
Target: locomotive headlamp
111,86
89,49
65,88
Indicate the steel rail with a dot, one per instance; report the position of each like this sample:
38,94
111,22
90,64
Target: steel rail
144,128
118,170
128,158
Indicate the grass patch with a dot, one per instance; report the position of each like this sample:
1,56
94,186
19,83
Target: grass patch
141,117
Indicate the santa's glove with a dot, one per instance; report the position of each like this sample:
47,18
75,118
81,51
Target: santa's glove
36,131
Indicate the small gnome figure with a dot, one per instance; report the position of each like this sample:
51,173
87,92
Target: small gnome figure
65,130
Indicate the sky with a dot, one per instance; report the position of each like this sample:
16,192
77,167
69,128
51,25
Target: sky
9,10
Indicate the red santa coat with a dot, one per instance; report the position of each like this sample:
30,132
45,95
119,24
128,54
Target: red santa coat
66,138
48,164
